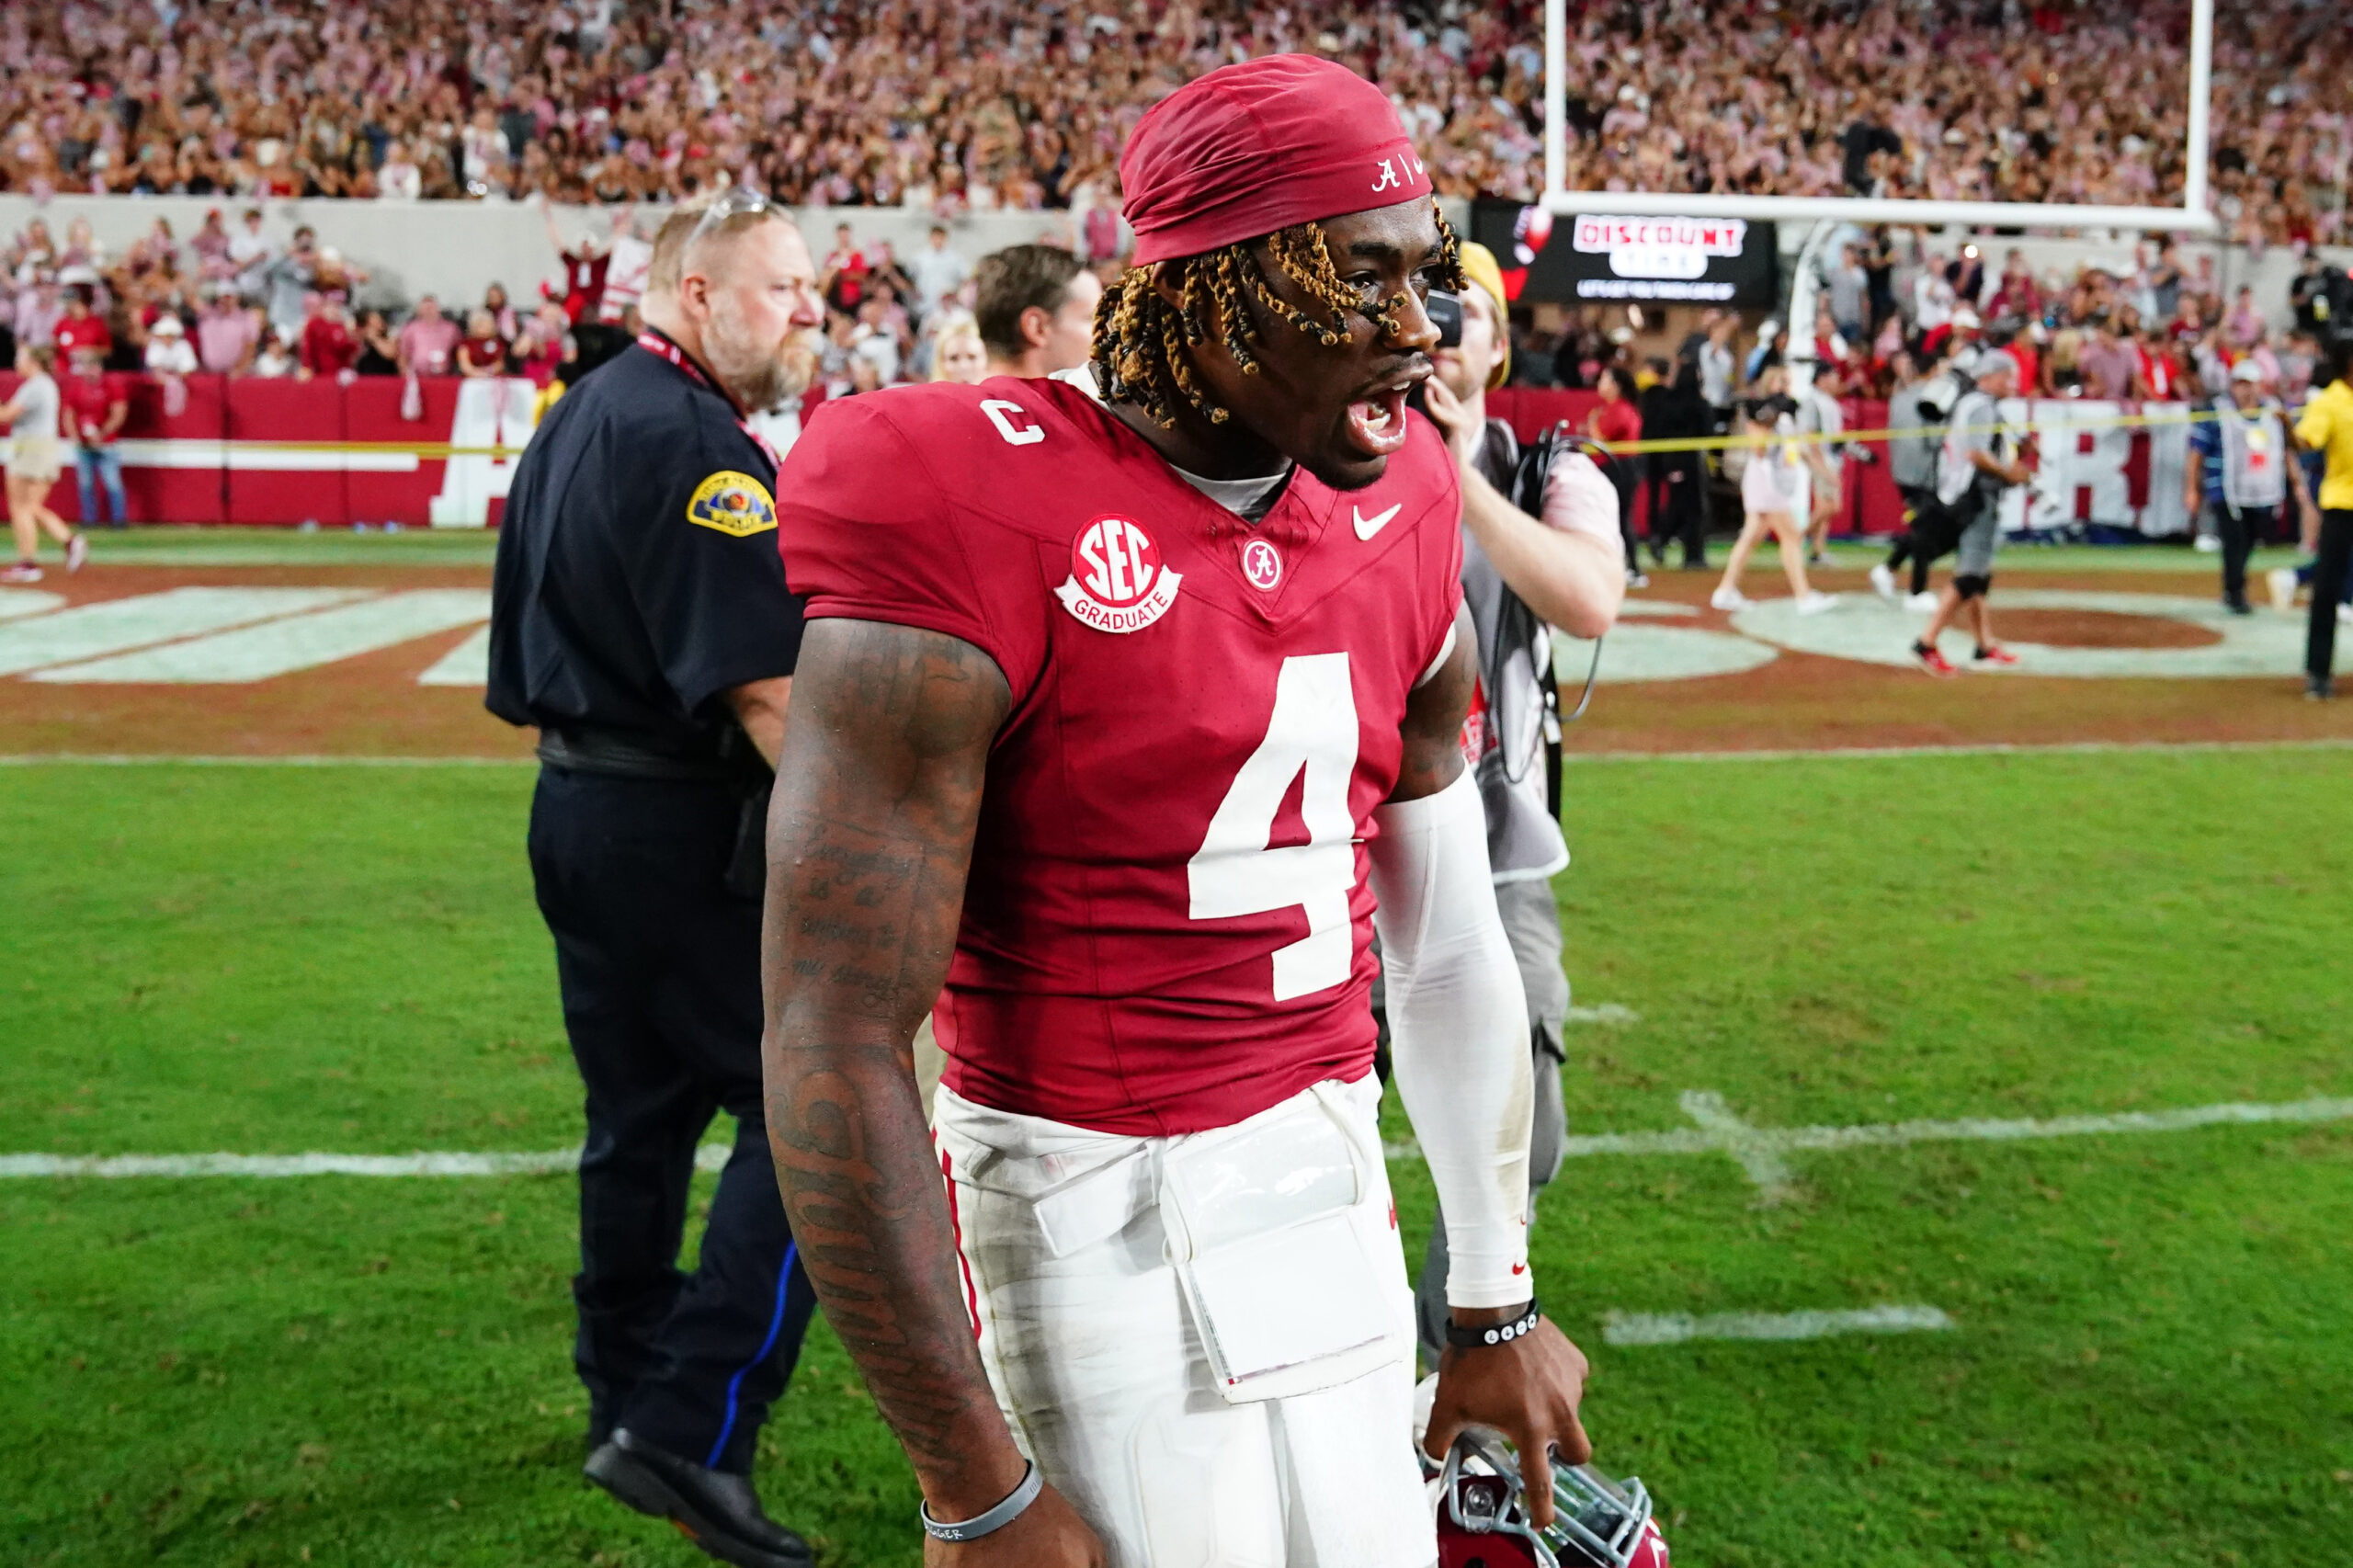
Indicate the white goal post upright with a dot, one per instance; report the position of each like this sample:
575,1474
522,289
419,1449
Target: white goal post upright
2191,217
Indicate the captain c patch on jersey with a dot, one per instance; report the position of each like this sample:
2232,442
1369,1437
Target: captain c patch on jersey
735,504
1117,581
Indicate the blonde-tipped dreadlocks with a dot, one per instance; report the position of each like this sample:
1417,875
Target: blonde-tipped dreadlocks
1139,339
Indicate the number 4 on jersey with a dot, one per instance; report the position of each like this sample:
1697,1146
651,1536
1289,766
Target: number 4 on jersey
1314,728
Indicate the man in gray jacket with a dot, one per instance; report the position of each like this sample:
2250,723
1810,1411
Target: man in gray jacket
1521,576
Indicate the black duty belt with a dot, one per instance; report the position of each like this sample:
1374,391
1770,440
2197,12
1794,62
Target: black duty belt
615,753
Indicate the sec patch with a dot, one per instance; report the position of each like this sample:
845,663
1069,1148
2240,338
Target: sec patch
735,504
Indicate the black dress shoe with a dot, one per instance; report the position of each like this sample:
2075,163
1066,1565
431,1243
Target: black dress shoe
2318,688
717,1512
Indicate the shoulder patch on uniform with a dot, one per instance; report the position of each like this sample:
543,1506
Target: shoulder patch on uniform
735,504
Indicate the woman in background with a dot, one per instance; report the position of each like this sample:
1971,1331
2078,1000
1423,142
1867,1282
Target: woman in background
483,352
36,457
1613,420
1775,488
957,353
380,351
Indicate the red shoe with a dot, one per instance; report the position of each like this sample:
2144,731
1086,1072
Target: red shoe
1996,656
1935,664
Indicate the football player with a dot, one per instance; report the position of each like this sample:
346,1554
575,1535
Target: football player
1119,712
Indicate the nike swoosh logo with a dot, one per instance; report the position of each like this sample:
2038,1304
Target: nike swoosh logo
1368,527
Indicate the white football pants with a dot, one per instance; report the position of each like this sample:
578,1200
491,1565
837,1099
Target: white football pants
1093,1350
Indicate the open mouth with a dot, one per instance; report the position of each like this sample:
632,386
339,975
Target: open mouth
1377,421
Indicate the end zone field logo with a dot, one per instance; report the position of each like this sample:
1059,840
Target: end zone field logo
1116,582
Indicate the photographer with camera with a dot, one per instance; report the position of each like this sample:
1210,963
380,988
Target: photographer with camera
1981,458
1541,548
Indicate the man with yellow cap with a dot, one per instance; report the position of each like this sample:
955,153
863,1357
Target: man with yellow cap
1521,576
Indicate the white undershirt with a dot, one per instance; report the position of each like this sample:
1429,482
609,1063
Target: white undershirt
1249,499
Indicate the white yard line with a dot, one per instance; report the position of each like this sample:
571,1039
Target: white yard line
131,759
1746,1142
709,1157
1676,1328
1757,1155
2054,748
1832,753
1761,1151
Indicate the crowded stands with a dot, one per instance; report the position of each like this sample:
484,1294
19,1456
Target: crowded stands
987,104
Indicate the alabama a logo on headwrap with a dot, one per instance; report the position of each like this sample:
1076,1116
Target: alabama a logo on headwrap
1397,169
1116,582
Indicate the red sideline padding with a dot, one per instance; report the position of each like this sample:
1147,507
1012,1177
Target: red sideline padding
267,485
214,463
173,468
381,488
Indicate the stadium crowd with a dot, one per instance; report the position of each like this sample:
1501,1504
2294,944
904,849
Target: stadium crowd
986,104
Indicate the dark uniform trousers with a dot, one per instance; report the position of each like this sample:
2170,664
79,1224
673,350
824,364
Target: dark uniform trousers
2328,589
2240,527
659,964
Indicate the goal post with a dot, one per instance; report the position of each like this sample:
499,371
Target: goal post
2191,217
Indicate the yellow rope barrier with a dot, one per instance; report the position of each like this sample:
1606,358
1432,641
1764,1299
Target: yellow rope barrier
2179,415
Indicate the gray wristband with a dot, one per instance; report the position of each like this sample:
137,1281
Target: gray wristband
1016,1504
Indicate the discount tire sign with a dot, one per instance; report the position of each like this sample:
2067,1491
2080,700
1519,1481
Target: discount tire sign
1596,258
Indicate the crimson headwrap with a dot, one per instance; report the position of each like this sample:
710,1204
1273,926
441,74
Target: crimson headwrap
1258,146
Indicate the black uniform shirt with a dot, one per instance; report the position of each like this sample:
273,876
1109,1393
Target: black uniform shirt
638,575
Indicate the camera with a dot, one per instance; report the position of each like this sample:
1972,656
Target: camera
1445,311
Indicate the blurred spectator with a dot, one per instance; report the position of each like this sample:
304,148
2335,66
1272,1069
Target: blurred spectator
226,335
2110,369
274,359
1613,420
286,279
327,346
936,271
79,329
94,409
1035,310
380,351
249,250
957,353
399,178
501,313
545,351
169,353
38,310
842,274
430,342
482,352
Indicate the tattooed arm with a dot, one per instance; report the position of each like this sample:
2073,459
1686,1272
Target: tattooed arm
877,789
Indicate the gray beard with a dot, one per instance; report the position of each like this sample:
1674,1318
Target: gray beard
760,380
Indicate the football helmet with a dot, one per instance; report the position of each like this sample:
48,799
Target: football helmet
1482,1514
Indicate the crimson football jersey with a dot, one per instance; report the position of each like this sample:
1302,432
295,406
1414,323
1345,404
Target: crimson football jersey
1167,925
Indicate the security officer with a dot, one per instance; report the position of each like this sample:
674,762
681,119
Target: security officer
640,619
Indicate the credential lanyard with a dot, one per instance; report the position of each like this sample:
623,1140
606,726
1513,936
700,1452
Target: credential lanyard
654,343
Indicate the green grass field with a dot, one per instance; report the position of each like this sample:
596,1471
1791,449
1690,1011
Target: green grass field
2151,1363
